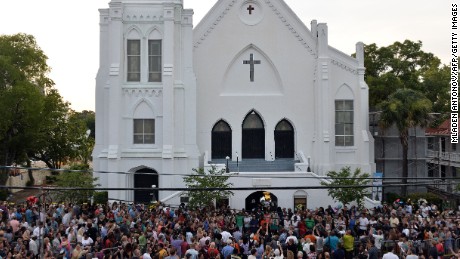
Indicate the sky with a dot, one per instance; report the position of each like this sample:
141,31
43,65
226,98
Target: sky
68,31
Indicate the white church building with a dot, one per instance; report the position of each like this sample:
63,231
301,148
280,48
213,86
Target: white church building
251,83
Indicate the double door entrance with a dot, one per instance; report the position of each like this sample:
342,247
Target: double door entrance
253,139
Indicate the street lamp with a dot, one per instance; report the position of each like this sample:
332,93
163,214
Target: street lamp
227,170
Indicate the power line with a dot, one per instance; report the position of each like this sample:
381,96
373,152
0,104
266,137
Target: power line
232,174
53,188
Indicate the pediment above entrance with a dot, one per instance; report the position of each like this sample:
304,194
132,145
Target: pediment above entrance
251,73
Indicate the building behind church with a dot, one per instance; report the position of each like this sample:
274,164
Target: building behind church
250,87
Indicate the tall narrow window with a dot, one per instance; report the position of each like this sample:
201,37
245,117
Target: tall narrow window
144,131
155,61
344,123
134,60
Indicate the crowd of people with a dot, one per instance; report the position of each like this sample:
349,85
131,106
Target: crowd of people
122,230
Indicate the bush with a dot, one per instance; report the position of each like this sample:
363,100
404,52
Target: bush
29,183
3,195
429,197
50,179
391,197
79,166
101,197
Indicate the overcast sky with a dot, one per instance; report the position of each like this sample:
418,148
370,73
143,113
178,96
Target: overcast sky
68,31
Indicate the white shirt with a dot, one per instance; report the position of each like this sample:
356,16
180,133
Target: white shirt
66,218
378,241
87,242
390,255
363,222
225,236
39,232
193,252
33,247
293,238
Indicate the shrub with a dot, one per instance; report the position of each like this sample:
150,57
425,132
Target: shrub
101,197
3,195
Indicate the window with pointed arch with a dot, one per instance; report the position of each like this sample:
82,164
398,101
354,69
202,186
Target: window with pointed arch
155,60
134,61
344,117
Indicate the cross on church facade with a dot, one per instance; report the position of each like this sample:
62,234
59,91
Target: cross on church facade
250,9
251,62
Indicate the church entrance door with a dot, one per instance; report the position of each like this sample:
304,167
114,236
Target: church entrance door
221,140
261,200
145,178
284,140
253,139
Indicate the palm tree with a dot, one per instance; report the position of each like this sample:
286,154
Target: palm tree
405,108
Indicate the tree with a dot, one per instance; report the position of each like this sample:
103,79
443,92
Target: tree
406,65
405,108
60,133
81,179
35,122
345,178
23,81
204,180
89,117
86,144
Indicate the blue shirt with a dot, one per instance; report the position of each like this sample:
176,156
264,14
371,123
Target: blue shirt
227,250
332,241
29,216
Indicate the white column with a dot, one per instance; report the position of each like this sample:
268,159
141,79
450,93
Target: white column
168,89
325,102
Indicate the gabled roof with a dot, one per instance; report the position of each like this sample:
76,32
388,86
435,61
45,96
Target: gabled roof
278,7
441,130
286,15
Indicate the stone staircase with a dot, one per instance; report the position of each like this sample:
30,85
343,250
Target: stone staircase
259,165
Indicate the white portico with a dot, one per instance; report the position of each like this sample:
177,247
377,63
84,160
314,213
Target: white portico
250,82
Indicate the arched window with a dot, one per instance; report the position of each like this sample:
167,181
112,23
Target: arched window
221,140
284,140
344,123
253,139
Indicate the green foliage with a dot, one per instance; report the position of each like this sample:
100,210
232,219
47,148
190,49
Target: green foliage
79,166
406,65
3,195
212,179
405,108
89,118
75,179
345,178
60,133
50,179
23,80
391,197
22,61
35,122
101,197
429,197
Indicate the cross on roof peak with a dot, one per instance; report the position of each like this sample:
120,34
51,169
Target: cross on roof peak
250,9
